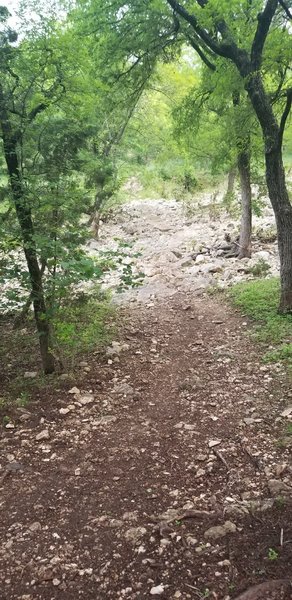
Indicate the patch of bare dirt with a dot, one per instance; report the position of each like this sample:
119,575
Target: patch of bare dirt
165,471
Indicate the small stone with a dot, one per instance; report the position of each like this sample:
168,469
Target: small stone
213,443
45,574
10,426
77,472
236,511
123,388
278,487
83,363
105,420
157,590
219,531
280,469
177,594
56,582
36,526
30,375
64,377
201,258
43,435
64,411
251,420
224,563
200,473
201,457
287,412
188,505
86,399
24,417
134,534
74,390
191,541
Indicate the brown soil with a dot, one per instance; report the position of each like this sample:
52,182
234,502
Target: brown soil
119,507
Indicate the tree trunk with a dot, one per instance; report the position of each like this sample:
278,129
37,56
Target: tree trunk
95,222
24,217
275,178
246,210
278,194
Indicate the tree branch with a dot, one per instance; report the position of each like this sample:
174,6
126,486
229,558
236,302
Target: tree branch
264,22
200,52
225,50
285,115
35,111
286,9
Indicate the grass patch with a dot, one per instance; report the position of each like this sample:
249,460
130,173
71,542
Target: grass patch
259,300
83,327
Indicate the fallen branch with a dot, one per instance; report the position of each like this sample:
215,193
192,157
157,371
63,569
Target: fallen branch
188,514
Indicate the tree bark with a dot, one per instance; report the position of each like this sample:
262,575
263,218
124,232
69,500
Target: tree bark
276,183
24,217
246,209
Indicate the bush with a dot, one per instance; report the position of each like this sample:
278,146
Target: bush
260,269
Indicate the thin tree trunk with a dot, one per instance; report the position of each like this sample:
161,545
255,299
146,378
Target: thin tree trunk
24,217
246,210
95,222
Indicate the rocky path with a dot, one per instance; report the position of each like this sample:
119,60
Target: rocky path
179,251
164,472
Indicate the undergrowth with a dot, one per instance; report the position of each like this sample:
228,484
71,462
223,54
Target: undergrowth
83,326
259,300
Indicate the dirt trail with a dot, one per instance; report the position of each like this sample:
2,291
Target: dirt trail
165,472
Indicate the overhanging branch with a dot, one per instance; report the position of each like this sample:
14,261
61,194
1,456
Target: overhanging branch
286,8
201,53
225,50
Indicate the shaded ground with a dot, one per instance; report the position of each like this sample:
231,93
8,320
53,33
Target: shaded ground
185,419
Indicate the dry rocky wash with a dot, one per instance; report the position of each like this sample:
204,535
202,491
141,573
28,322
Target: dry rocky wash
179,252
164,471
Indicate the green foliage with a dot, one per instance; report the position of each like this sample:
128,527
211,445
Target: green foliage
259,300
273,554
82,327
260,269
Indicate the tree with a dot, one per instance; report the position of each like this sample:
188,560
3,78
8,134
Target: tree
217,102
43,95
12,134
212,24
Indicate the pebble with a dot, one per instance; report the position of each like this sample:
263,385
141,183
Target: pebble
213,443
30,375
278,487
36,526
74,390
287,412
64,411
219,531
43,435
157,590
